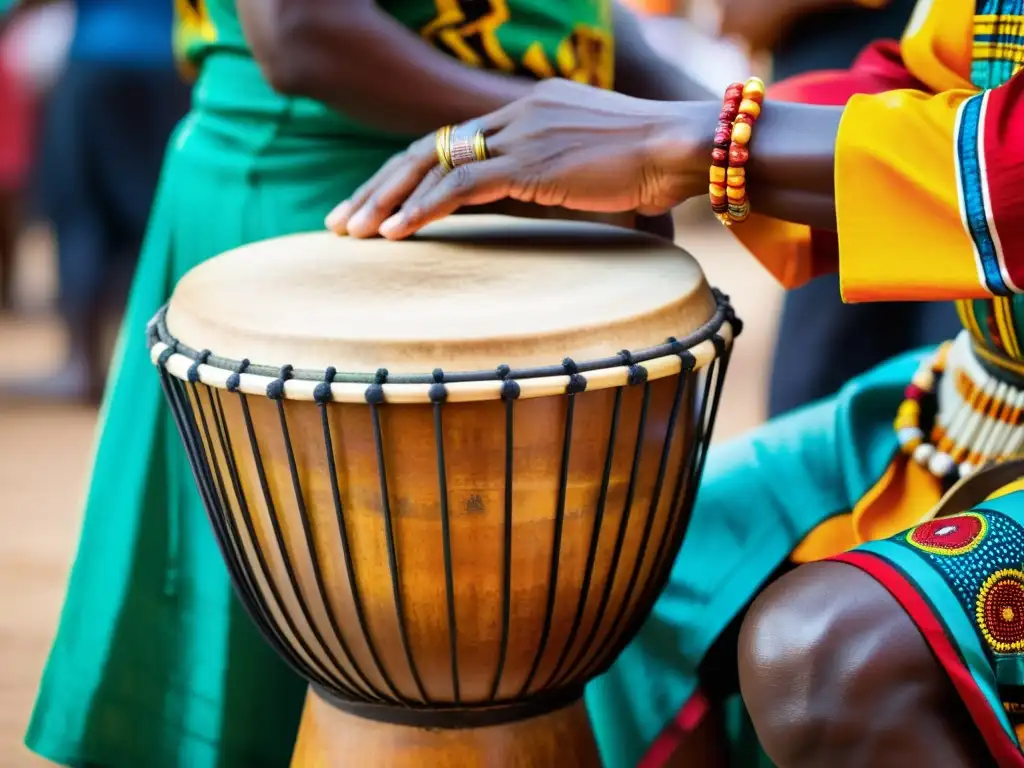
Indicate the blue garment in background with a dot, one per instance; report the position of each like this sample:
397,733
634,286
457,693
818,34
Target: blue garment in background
124,32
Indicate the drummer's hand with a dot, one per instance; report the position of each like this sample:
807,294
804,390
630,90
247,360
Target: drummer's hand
564,145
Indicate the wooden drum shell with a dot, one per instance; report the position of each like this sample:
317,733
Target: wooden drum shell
565,616
451,553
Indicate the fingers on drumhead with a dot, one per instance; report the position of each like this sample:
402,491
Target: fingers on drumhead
437,197
374,200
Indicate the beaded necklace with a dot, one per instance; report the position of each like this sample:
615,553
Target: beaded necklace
978,418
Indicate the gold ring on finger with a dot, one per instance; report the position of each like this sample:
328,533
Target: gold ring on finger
466,144
442,146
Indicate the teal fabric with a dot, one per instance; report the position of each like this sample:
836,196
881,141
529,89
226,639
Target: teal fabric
928,582
953,585
761,494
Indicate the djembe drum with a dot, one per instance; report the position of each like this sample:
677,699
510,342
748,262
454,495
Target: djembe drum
443,493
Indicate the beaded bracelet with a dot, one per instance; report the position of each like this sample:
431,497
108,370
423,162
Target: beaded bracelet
720,152
728,188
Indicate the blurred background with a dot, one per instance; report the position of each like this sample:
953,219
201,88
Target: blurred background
46,433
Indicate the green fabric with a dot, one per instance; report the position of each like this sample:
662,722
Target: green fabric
155,663
761,494
999,324
532,38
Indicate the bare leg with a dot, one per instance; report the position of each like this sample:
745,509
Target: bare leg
835,674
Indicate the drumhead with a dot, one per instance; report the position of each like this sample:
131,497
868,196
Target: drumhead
466,294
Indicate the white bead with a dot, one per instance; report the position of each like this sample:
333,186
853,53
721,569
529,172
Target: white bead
923,453
941,464
924,380
966,469
908,435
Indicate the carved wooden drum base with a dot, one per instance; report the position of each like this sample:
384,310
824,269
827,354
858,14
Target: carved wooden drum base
332,738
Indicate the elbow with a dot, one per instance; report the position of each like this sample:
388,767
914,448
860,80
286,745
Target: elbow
296,46
287,53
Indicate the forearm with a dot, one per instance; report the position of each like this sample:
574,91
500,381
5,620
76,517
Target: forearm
791,170
367,65
792,158
642,72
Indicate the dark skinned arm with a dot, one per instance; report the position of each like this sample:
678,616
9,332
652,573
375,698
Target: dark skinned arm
641,72
352,56
792,164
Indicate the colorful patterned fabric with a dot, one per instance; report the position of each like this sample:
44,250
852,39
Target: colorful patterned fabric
998,45
961,579
958,175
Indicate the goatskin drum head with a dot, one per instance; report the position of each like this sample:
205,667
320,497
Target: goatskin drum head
466,293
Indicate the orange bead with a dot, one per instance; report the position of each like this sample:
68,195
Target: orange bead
741,133
736,181
750,107
716,190
736,194
754,90
717,174
736,172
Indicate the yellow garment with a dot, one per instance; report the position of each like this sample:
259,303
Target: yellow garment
895,503
894,165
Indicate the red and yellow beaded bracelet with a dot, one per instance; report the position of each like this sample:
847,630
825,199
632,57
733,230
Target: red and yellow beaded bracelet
728,182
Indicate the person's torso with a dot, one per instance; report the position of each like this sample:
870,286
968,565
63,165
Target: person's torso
531,38
123,32
239,120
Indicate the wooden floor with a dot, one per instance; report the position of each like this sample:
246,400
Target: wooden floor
44,456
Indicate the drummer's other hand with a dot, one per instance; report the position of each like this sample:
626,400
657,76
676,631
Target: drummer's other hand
565,145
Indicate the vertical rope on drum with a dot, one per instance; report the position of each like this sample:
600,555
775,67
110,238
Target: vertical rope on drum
322,396
510,393
346,550
683,473
229,529
438,394
714,376
389,534
241,576
683,502
620,538
612,640
203,477
595,535
313,663
348,684
225,508
577,384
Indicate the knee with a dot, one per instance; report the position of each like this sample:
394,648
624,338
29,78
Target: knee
829,665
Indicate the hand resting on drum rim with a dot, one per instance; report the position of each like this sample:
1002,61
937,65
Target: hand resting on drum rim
581,148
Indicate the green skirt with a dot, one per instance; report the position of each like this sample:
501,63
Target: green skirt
155,663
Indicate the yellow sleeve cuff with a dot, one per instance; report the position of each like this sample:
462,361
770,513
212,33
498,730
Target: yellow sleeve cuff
782,248
900,232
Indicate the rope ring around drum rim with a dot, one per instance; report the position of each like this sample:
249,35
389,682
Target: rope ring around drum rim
693,352
157,332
